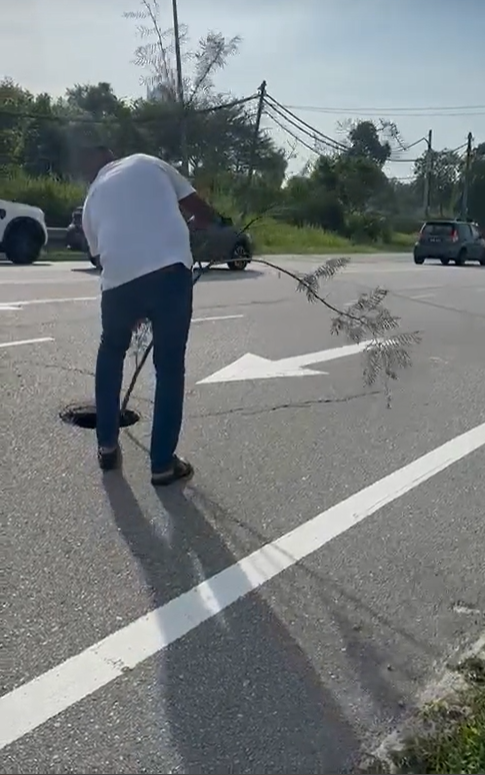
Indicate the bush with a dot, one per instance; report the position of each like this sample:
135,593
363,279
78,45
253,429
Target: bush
367,228
55,197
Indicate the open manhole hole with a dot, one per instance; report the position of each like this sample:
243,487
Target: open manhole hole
84,416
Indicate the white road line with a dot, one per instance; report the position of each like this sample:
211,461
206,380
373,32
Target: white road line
29,302
216,317
27,341
423,296
16,305
35,702
47,281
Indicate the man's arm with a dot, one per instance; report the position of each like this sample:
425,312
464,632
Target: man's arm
190,203
89,231
203,213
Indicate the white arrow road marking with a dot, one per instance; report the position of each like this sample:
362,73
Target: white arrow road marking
254,367
27,341
17,305
33,703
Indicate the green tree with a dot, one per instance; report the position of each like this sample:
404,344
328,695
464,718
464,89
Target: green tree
363,140
476,194
445,174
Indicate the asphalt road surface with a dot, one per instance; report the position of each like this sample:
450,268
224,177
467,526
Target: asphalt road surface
283,611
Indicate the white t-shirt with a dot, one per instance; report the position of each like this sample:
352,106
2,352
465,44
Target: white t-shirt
132,221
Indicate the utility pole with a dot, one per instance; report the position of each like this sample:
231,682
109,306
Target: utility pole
466,179
427,174
180,91
254,146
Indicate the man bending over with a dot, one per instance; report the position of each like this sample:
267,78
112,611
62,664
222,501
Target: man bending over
132,220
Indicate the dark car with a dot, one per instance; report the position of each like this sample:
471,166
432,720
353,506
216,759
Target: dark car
220,242
450,240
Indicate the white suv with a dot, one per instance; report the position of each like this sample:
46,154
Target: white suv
23,232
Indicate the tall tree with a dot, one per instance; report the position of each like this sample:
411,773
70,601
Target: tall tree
445,173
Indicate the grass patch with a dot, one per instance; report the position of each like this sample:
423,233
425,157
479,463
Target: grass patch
447,736
60,254
457,742
273,237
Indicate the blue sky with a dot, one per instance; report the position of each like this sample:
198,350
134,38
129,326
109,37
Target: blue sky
391,58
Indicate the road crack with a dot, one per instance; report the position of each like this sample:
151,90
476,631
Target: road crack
248,412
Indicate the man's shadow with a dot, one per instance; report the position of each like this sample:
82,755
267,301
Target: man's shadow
238,693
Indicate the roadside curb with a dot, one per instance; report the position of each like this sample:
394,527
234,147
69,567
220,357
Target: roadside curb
446,687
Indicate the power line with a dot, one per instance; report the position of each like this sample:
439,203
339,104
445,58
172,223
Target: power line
312,135
111,120
452,110
290,133
291,118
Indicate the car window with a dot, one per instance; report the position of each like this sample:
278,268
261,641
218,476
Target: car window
438,229
476,234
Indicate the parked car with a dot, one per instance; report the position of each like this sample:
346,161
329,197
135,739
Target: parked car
221,242
450,240
23,232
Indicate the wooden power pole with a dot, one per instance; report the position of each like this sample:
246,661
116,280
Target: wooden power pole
466,178
254,146
427,174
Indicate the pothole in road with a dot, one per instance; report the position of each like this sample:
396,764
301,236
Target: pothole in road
84,416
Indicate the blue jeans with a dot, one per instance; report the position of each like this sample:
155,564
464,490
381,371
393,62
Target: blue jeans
164,298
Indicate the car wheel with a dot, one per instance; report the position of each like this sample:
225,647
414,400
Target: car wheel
461,258
240,258
418,260
445,261
24,243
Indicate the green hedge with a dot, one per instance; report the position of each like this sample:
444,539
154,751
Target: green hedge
58,198
55,197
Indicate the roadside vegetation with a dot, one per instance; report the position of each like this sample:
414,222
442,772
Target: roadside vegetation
342,199
448,735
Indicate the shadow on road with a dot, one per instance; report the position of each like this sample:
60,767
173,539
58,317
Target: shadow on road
239,694
91,270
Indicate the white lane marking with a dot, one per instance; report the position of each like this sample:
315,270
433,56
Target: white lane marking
216,317
29,302
9,307
48,281
35,702
423,296
27,341
16,305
